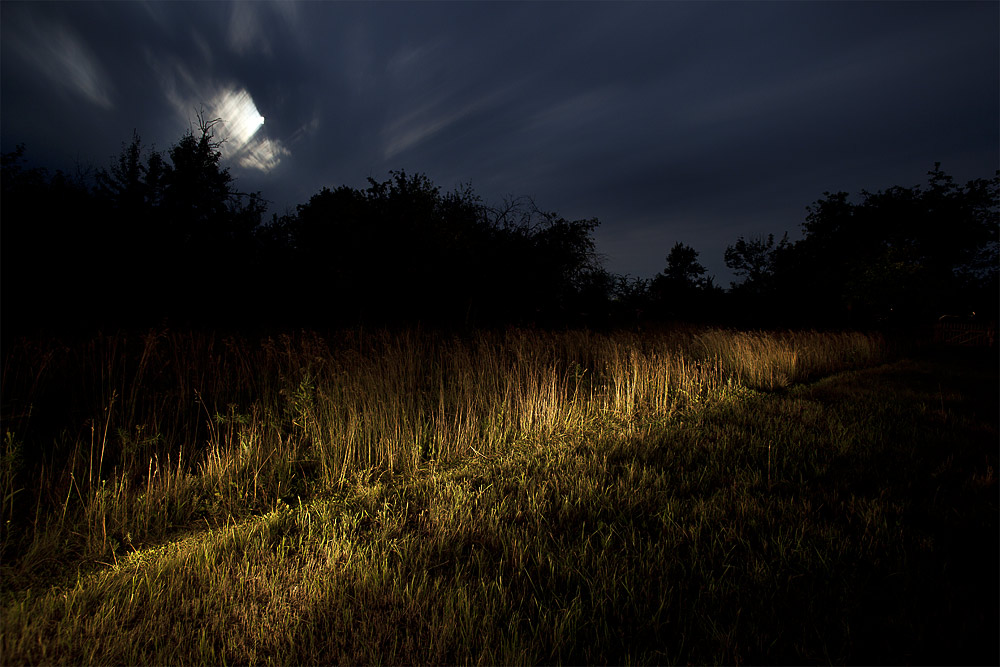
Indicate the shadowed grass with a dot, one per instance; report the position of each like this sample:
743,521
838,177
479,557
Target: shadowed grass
849,521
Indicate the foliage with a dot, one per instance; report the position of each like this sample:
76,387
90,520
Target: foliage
51,240
683,267
401,251
904,254
682,291
755,261
151,238
166,237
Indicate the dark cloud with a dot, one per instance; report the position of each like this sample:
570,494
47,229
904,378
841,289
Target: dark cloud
696,122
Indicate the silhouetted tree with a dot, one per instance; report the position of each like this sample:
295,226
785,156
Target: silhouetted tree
683,267
754,260
131,236
899,255
401,249
52,257
123,183
562,259
396,250
683,290
758,299
630,301
181,239
200,196
166,236
903,253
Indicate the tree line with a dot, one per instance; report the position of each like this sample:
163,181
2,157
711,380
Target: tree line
167,238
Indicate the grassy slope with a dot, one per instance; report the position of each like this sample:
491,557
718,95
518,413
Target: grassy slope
851,520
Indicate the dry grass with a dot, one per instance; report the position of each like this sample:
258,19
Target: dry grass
120,441
852,520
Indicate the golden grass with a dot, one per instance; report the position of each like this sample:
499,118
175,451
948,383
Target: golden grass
167,429
782,527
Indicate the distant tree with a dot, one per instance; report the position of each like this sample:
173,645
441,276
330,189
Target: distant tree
902,253
898,255
683,268
167,236
592,303
133,182
565,258
197,190
50,257
130,191
683,290
545,263
402,249
631,301
176,226
758,299
755,260
395,250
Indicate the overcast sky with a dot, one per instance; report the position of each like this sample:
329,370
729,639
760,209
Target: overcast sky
694,122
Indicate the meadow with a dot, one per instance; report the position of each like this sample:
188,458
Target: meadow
681,496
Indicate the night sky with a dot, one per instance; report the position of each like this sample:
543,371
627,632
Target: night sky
693,122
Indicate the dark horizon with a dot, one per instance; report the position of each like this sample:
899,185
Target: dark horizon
166,239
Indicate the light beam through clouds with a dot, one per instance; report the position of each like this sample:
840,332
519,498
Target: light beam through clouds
239,115
241,122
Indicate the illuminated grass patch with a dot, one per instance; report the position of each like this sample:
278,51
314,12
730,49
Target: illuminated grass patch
500,498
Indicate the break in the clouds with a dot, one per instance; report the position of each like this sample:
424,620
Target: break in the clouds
692,122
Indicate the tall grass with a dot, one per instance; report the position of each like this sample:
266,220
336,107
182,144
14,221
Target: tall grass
119,440
848,521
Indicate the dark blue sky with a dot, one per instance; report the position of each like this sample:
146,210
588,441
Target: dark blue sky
694,122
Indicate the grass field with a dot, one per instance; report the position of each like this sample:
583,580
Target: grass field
686,497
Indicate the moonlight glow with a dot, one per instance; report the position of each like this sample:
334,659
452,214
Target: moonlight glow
242,122
239,114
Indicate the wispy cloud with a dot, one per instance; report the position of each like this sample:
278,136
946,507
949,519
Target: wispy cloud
307,129
433,117
420,125
245,34
59,54
250,24
262,154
